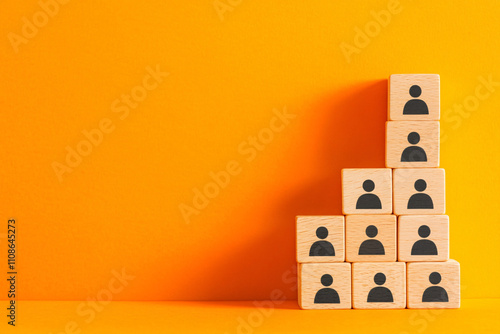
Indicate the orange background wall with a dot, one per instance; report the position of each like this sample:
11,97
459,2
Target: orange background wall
120,207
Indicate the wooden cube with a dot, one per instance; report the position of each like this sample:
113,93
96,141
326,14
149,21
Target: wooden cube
367,191
423,238
434,284
414,97
412,144
380,285
324,285
320,239
370,238
419,191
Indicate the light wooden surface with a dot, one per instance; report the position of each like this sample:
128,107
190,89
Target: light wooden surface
418,282
307,227
352,189
413,238
399,96
405,186
399,143
363,282
310,283
356,234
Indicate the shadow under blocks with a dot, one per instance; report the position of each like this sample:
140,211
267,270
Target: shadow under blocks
390,248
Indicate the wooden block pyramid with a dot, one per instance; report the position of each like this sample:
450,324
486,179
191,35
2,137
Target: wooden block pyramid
390,249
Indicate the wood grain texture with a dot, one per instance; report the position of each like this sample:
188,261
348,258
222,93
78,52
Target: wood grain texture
356,234
309,278
406,186
401,144
307,227
352,189
399,96
419,276
363,282
413,238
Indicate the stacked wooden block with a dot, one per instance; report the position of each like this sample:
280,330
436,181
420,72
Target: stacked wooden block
394,233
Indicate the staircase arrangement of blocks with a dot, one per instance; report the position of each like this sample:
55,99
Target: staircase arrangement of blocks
390,249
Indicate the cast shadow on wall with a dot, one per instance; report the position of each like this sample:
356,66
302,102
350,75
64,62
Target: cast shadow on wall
346,130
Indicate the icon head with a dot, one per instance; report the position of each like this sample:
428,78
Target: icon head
435,278
415,91
379,278
371,231
424,231
413,138
322,232
326,280
368,185
420,185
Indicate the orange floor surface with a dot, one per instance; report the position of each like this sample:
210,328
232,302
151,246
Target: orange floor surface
475,316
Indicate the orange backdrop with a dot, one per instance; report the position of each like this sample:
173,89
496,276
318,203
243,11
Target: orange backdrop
171,93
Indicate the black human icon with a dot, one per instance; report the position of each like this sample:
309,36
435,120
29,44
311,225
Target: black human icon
415,106
327,295
371,246
368,201
424,246
380,294
413,153
322,247
435,293
420,200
